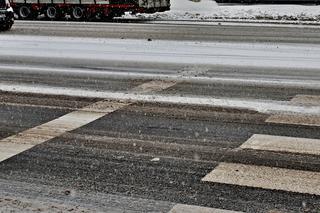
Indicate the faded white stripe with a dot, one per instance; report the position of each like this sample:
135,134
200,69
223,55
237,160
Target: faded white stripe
9,149
153,86
266,177
251,104
302,118
297,119
307,99
25,140
283,144
181,208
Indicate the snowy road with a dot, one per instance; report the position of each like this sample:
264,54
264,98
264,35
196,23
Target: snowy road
199,31
204,122
274,55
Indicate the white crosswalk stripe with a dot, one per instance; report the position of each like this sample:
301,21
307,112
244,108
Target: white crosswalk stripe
307,99
275,178
266,177
298,119
180,208
306,120
283,144
27,139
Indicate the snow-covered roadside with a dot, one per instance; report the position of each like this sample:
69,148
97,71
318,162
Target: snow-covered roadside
209,10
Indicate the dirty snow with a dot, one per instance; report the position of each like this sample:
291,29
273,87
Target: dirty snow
209,10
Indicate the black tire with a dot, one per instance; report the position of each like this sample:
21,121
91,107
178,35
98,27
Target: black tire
25,12
52,13
78,14
6,27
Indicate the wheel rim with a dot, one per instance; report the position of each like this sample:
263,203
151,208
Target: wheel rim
77,13
52,12
24,12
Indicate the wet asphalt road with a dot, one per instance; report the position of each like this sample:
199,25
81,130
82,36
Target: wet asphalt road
107,165
149,156
172,31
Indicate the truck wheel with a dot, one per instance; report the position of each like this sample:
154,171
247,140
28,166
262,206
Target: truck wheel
24,12
52,13
78,14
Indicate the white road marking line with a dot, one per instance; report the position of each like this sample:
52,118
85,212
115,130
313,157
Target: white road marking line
283,144
299,119
307,99
9,150
25,140
266,177
257,105
181,208
105,107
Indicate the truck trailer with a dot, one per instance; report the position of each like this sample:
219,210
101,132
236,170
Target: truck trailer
85,10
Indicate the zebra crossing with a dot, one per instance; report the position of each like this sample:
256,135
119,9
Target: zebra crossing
272,178
276,178
229,173
118,125
23,141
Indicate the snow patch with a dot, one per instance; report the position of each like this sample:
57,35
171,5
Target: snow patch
209,10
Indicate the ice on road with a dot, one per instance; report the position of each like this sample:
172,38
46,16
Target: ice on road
284,55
